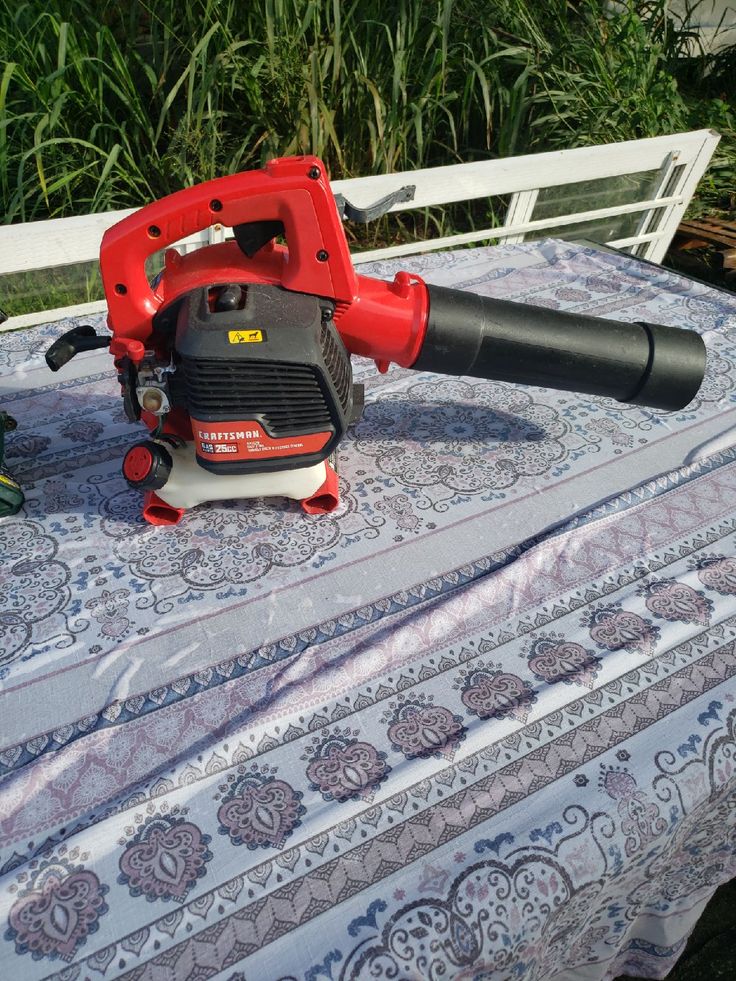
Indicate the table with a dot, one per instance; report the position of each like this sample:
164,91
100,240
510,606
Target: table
477,722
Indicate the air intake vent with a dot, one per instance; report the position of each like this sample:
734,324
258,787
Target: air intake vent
337,364
287,398
341,308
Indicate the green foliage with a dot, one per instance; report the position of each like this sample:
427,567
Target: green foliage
107,105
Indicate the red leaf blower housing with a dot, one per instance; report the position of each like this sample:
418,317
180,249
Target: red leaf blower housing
237,356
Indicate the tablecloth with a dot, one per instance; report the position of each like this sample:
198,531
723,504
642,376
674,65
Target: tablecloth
478,722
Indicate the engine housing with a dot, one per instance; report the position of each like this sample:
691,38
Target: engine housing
263,375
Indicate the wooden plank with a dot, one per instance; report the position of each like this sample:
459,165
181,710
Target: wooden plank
650,222
501,233
623,243
721,223
694,168
706,231
62,241
465,182
48,316
520,211
59,242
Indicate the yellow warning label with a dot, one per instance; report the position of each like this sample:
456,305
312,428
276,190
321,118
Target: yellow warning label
245,336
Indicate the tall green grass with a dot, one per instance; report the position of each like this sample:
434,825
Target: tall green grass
106,105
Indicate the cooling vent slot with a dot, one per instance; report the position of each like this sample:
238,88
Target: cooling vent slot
341,308
287,398
337,364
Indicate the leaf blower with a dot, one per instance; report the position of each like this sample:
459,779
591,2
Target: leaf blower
237,355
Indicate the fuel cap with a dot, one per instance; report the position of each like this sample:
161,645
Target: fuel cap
147,465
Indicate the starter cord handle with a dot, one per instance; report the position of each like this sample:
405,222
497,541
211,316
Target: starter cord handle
81,338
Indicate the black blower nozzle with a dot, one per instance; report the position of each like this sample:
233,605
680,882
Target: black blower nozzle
644,364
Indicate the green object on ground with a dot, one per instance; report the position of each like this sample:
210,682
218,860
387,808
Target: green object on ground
11,496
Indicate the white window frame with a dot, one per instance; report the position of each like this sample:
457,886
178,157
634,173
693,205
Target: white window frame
680,159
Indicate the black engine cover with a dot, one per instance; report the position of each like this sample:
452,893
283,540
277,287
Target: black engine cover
267,380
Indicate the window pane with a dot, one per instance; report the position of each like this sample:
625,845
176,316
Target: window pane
35,290
605,192
46,289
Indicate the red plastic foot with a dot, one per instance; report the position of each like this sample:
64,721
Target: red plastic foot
326,497
158,512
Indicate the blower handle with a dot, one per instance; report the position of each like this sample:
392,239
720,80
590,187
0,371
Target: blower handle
293,191
644,364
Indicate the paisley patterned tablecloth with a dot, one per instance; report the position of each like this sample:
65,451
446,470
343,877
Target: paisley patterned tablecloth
478,722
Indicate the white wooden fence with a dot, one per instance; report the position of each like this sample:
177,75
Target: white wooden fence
643,184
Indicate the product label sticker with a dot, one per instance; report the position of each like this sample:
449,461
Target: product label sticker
247,440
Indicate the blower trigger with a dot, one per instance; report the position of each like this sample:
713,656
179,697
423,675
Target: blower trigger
251,236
